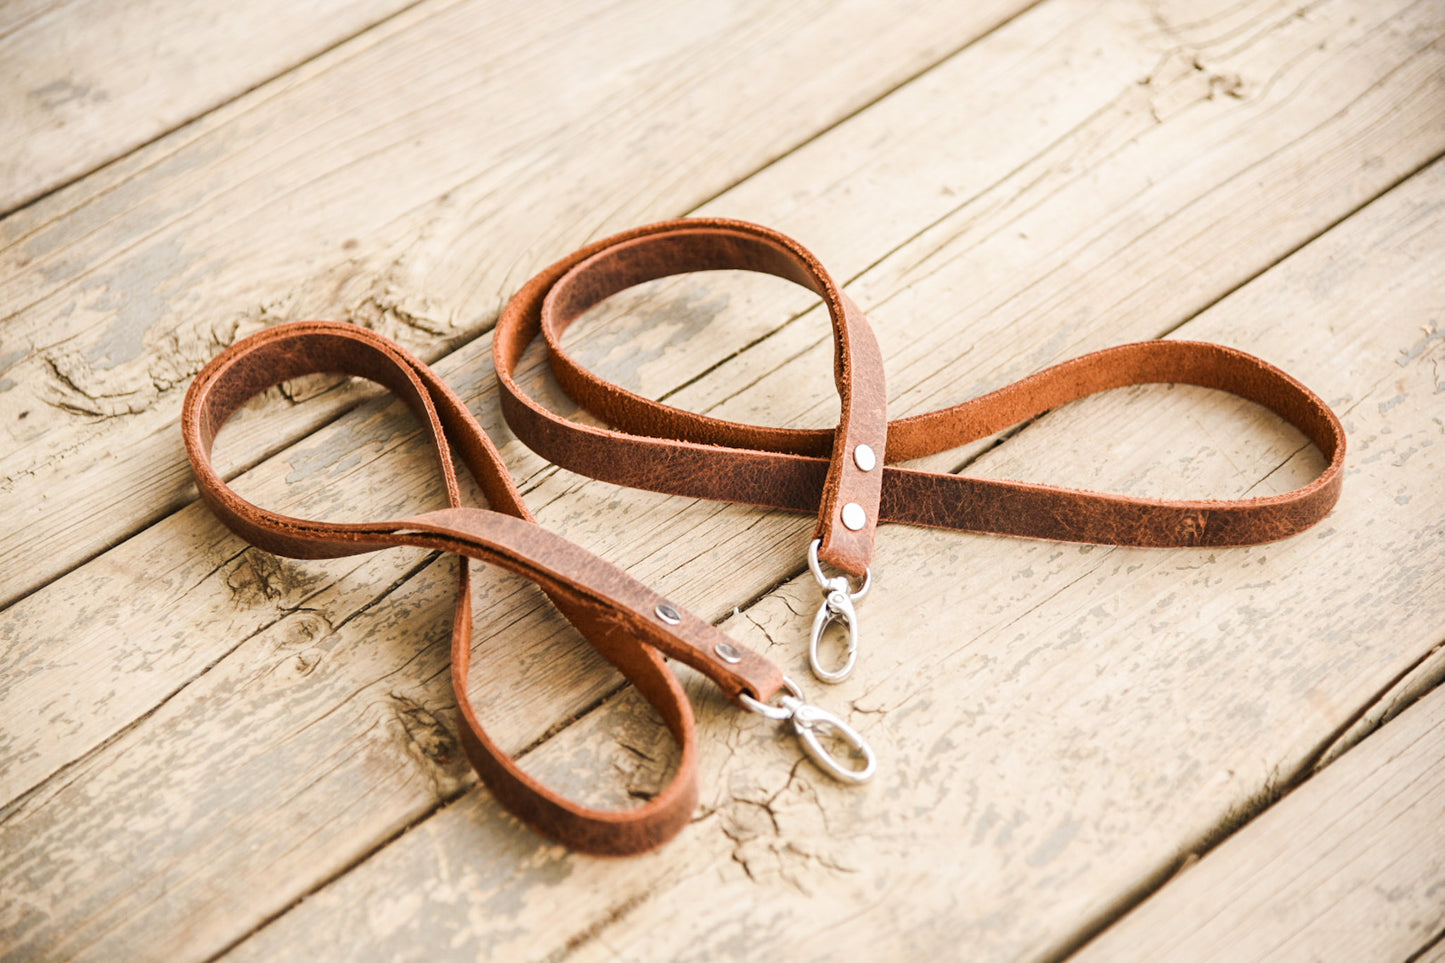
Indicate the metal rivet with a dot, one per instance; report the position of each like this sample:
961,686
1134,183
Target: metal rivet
864,458
727,653
854,517
667,613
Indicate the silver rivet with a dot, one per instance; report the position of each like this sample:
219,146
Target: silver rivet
854,517
864,458
667,613
727,653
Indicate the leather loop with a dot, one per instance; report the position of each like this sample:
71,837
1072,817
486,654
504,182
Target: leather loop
666,449
614,612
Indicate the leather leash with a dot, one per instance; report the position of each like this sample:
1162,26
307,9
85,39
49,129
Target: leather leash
848,474
630,624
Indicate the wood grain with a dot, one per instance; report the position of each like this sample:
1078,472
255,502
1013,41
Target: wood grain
87,82
408,180
168,647
166,644
1060,726
197,794
1348,867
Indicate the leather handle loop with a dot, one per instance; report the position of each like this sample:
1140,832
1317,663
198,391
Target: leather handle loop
617,614
666,449
553,300
1047,511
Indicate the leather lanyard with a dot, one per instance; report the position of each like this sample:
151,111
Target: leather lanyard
848,474
627,622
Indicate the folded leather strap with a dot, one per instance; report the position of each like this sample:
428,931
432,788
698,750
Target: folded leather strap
627,622
666,449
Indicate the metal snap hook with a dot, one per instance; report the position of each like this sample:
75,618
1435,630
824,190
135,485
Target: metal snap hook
809,723
837,606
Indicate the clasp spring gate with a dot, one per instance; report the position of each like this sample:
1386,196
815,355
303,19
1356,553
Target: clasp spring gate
837,606
809,724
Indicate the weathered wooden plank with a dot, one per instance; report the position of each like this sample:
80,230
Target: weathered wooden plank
1060,725
663,364
654,353
175,660
87,82
1134,196
479,134
1350,866
192,763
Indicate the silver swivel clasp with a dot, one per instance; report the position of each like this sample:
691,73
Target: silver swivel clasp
837,606
811,725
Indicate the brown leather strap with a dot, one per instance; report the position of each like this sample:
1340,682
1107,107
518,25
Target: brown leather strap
629,623
666,449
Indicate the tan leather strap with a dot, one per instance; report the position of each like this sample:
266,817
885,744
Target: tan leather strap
666,449
626,621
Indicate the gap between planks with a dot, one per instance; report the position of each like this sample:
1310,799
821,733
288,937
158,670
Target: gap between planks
21,573
598,705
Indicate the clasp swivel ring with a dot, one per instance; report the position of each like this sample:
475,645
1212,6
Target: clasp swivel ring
837,606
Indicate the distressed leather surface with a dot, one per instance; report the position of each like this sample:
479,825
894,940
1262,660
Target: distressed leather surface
666,449
614,612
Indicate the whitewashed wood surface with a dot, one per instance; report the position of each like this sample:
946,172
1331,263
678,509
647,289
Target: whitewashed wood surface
84,82
1349,866
206,751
